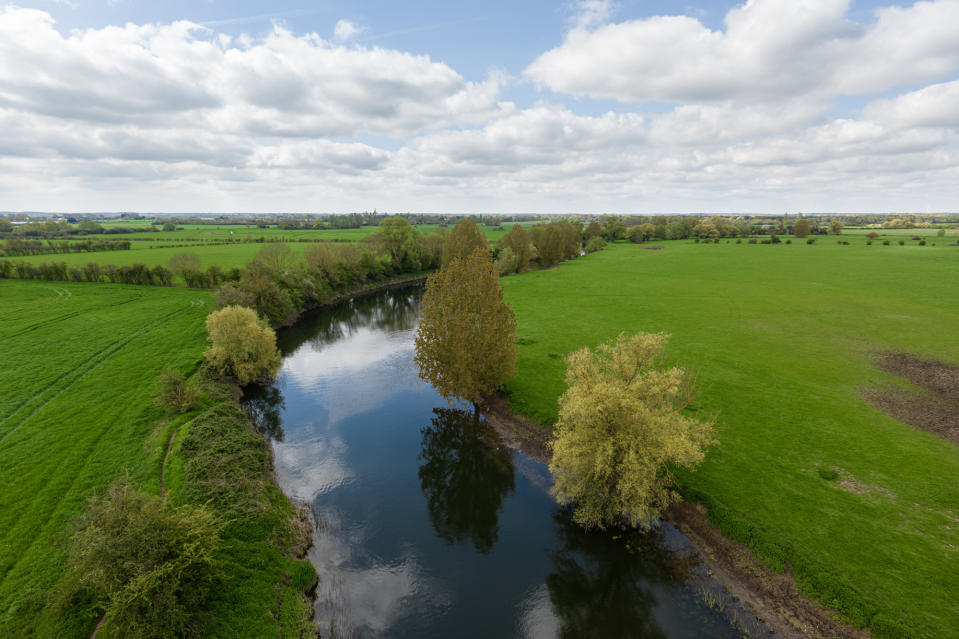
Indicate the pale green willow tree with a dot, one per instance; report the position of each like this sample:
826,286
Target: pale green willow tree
242,345
620,427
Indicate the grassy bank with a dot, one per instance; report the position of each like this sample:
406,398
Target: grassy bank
782,339
80,364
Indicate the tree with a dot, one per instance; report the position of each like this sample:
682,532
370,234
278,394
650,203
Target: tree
243,346
174,392
801,228
613,228
169,226
183,263
835,227
154,562
466,341
594,229
620,426
520,242
465,238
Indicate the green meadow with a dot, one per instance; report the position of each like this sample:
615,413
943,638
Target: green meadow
80,364
782,339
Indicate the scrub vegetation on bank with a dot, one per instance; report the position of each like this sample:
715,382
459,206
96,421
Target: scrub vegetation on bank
782,338
81,364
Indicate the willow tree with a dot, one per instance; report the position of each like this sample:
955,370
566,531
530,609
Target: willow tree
620,428
466,341
242,345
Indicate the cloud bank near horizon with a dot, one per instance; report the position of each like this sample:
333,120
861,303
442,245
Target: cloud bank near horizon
791,106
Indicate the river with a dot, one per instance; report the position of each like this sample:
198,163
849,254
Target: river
427,525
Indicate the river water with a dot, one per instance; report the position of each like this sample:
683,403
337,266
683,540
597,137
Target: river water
427,526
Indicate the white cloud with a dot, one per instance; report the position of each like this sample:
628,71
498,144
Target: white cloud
344,30
769,50
592,13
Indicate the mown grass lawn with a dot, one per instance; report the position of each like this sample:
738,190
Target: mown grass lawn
781,339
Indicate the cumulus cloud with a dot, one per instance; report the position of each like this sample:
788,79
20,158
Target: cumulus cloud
179,117
344,30
283,85
769,49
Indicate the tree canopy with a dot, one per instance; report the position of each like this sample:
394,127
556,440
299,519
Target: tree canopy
465,238
466,341
620,426
243,346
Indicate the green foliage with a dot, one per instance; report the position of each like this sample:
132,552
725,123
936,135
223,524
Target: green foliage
595,244
242,345
828,474
835,227
226,462
463,240
174,392
506,262
154,563
520,242
620,427
466,341
760,358
801,228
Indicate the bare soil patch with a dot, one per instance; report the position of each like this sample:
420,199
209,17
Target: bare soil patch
652,248
933,408
517,432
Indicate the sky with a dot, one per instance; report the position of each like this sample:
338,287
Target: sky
588,106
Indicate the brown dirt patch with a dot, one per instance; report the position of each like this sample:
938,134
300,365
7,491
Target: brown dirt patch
517,432
652,248
933,408
773,597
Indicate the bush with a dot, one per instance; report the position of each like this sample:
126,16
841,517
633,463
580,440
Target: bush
174,393
868,242
902,242
922,242
885,242
810,240
752,240
153,562
789,241
243,346
739,240
594,244
872,235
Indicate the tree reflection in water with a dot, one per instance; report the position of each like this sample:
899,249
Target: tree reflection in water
264,406
390,311
465,475
600,582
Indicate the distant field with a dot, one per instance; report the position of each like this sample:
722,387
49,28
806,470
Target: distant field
782,338
223,255
79,366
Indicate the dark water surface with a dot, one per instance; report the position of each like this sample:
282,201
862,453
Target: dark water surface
427,526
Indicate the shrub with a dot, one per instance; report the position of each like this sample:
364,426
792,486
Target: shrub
174,393
810,240
922,242
595,244
153,562
885,242
868,242
243,346
902,242
789,241
872,235
752,240
739,240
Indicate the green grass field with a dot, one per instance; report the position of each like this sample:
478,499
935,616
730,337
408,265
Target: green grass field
781,339
80,364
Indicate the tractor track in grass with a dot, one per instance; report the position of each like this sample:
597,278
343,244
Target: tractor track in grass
75,375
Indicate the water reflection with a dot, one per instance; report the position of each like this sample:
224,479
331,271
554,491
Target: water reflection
465,475
601,584
264,407
392,311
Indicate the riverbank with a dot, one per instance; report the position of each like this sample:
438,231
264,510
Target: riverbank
772,597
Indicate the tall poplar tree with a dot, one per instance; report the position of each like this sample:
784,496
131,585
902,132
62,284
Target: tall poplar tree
466,341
